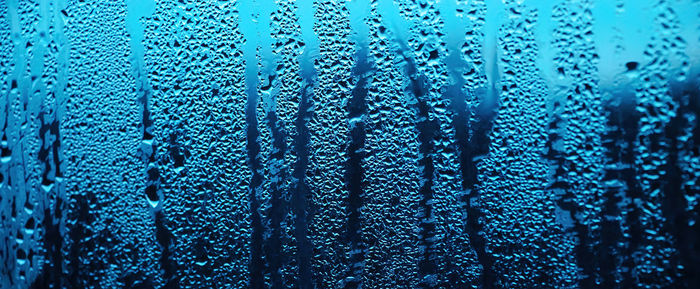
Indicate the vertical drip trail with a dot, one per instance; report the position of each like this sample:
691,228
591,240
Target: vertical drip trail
471,123
391,174
426,130
268,195
7,250
195,65
276,95
618,141
256,266
260,103
455,261
299,201
655,257
151,191
179,144
581,162
329,130
22,141
50,202
54,182
473,73
357,111
687,181
619,189
287,43
523,237
110,237
285,93
302,206
355,171
12,150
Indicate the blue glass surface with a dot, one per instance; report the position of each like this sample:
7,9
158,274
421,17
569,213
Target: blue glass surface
349,144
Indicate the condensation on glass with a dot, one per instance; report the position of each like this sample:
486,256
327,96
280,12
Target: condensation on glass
349,144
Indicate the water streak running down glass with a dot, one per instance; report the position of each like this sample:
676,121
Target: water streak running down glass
175,144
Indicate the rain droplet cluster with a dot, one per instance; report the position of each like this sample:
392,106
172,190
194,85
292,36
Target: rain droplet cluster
349,144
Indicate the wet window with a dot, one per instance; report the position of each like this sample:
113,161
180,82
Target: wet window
349,144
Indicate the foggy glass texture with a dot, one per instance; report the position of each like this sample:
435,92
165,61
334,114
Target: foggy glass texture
349,144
